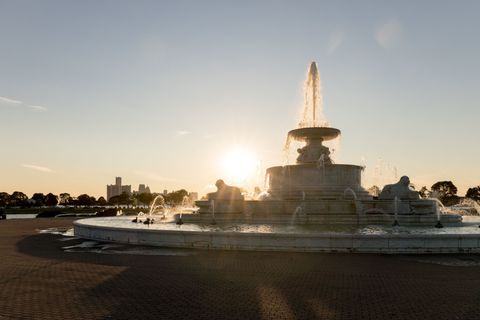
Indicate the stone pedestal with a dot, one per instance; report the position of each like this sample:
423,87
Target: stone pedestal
220,206
311,181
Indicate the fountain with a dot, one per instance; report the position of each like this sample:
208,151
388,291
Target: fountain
319,185
315,189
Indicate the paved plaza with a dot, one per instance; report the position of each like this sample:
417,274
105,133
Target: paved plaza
40,280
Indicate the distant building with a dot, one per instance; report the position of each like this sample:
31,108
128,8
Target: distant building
165,192
143,189
117,188
127,189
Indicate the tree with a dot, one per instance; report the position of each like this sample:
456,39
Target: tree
18,198
65,199
144,198
446,191
4,199
39,199
85,200
473,193
123,199
374,191
101,201
51,200
176,197
114,200
424,192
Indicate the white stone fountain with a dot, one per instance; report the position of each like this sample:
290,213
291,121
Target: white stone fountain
312,205
319,184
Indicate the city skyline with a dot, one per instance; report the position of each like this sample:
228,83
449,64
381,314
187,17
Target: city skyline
168,93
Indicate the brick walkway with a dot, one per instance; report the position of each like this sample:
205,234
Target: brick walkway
38,280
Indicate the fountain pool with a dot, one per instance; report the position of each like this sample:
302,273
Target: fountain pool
463,237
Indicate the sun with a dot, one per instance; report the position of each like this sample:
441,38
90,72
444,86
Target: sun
239,165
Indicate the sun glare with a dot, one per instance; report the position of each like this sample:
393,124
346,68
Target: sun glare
239,165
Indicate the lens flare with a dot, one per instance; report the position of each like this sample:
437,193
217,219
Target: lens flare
239,165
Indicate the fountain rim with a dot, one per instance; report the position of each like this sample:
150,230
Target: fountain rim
314,133
84,223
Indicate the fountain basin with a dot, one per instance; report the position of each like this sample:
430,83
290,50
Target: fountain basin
324,211
371,239
322,220
316,182
314,133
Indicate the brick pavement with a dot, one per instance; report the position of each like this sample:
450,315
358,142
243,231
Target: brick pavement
38,280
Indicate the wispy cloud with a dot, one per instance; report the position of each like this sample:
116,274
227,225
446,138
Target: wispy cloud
37,168
10,101
38,108
334,41
182,132
389,34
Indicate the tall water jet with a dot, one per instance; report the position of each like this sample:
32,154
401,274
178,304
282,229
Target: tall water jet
185,204
313,101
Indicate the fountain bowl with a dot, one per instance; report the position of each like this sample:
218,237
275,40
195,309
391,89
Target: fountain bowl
314,133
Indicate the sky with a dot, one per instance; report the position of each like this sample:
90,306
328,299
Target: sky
164,92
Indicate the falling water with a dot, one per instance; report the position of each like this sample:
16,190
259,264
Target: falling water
212,210
299,210
313,101
335,146
185,205
321,165
384,173
395,210
266,182
350,190
154,205
439,208
286,150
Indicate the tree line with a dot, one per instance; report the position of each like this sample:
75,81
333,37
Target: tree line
20,199
445,191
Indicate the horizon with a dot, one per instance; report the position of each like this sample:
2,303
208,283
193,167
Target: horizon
178,95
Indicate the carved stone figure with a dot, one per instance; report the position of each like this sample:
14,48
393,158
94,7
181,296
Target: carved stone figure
225,192
312,152
401,189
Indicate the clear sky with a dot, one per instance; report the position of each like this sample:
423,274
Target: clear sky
159,92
